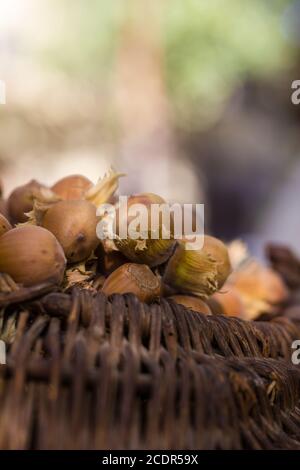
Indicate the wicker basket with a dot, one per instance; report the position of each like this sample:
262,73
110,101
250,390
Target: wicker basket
87,372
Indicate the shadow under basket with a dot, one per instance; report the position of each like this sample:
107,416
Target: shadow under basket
87,372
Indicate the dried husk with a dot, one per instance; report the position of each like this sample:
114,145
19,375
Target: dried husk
109,260
150,252
259,281
191,272
150,248
198,272
21,200
8,327
105,189
260,287
81,274
238,253
218,251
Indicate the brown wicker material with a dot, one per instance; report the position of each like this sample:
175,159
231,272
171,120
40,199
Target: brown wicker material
85,372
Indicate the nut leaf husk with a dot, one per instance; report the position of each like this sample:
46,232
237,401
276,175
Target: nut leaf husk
238,253
259,281
218,251
198,272
8,327
259,286
105,188
133,278
81,275
35,217
150,252
191,272
109,260
7,284
21,200
32,255
74,225
150,248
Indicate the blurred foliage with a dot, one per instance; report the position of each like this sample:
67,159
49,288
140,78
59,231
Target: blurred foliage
85,35
213,45
210,46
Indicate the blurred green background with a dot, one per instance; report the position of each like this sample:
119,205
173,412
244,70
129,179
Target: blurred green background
190,98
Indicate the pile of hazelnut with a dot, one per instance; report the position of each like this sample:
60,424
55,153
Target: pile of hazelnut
49,235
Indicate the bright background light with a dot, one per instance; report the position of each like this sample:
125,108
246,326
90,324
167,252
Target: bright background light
14,14
187,97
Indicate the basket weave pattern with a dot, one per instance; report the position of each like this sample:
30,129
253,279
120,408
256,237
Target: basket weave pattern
85,372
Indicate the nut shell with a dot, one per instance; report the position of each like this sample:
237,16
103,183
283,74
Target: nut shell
148,250
4,225
109,261
21,201
3,207
199,272
228,303
218,251
72,187
193,303
133,278
74,225
260,282
32,255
